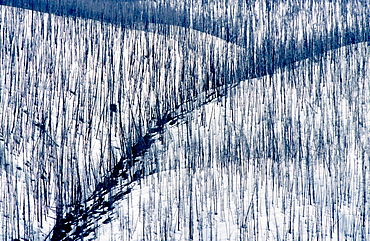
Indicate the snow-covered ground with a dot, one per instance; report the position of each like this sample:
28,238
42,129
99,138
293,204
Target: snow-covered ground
314,185
280,157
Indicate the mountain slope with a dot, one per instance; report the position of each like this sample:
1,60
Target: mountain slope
88,107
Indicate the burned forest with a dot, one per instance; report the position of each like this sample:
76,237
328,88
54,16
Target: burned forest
184,120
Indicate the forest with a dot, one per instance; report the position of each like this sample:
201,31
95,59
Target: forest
184,120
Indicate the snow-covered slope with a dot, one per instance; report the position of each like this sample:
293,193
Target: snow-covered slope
282,156
76,95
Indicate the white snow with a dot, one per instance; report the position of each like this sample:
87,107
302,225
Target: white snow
218,179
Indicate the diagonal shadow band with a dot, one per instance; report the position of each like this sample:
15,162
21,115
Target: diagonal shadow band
82,219
253,62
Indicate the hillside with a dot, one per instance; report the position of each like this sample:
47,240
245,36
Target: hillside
163,130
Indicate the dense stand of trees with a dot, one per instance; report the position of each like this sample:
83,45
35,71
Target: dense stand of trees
83,102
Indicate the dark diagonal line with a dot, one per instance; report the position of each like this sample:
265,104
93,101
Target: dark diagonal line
83,218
